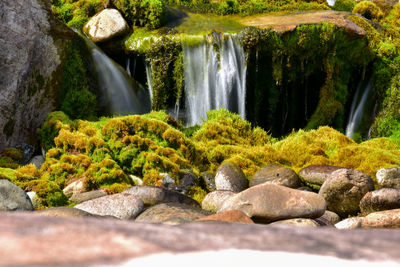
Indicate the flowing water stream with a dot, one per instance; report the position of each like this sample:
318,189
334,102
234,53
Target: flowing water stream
215,77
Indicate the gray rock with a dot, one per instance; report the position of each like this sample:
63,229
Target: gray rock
349,223
34,199
166,211
13,198
208,179
122,206
330,216
389,177
344,189
382,199
106,25
298,222
317,174
214,200
37,161
230,177
269,202
276,174
136,180
152,195
34,46
382,219
167,181
82,197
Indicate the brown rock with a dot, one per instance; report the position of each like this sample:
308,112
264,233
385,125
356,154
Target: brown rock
276,174
344,189
233,216
214,200
382,219
349,223
317,174
152,195
269,202
65,212
382,199
330,216
165,211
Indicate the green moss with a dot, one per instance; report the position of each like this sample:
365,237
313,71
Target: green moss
50,128
344,5
368,10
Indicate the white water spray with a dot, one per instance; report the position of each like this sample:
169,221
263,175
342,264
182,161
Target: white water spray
212,82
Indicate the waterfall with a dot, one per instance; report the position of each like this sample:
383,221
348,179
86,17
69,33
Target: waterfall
358,107
331,2
149,73
214,79
119,93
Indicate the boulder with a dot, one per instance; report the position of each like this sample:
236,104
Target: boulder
165,211
208,179
37,161
76,187
13,198
389,177
34,49
382,199
270,202
276,174
122,206
349,223
214,200
317,174
344,189
230,177
382,219
231,216
106,25
152,195
298,222
82,197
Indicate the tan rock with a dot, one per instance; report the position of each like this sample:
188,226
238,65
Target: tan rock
214,200
75,187
317,174
389,178
382,219
233,216
382,199
276,174
349,223
298,222
269,202
105,25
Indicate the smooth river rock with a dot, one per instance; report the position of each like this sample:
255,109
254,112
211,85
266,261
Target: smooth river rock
231,216
214,200
106,25
76,187
297,222
269,202
276,174
52,241
65,212
317,174
382,199
13,198
82,197
152,195
344,189
230,177
350,223
165,211
389,177
382,219
122,206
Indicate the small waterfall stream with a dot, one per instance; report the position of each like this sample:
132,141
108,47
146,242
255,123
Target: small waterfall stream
359,105
120,94
214,79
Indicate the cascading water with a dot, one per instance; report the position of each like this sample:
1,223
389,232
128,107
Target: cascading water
363,95
214,79
119,93
149,73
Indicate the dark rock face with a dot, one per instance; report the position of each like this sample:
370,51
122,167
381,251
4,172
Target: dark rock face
109,242
33,48
13,198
